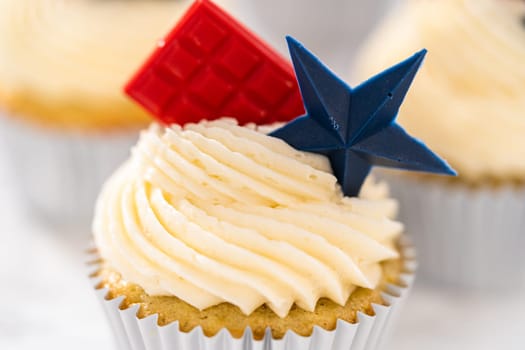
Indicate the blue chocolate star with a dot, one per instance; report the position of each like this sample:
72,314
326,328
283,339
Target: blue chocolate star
355,127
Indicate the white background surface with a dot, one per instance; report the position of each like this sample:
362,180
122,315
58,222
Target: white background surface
48,303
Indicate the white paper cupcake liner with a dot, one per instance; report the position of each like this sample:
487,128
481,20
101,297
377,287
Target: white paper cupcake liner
472,238
59,174
369,333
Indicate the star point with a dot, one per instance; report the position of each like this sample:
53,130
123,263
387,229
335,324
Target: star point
355,127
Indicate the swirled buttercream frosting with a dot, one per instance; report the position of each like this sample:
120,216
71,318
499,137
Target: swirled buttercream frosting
78,47
468,102
214,212
71,53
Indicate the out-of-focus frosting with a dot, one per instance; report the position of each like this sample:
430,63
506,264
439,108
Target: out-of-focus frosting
78,48
468,102
214,212
63,63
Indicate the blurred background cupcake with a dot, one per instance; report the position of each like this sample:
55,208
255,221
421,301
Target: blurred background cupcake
198,250
468,103
64,122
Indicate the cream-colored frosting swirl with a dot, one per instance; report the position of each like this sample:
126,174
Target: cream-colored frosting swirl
214,212
78,48
468,101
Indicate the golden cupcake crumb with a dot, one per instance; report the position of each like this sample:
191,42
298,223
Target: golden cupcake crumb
225,315
78,114
482,181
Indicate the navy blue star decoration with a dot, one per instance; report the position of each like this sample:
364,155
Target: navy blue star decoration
355,127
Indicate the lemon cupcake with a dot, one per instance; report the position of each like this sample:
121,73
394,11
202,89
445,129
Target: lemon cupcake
65,122
218,236
468,104
215,235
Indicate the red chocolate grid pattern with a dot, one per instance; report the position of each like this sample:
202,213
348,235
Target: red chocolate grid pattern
210,66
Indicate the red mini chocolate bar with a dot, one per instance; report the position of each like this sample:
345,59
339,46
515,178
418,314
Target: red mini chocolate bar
211,66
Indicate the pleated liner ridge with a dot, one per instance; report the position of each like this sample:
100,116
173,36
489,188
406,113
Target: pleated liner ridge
369,333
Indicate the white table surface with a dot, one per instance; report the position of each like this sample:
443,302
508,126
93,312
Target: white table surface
48,301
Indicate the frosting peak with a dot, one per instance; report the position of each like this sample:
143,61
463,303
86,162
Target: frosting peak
214,212
468,102
78,47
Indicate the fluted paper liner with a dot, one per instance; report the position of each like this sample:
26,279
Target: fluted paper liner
470,238
369,333
59,173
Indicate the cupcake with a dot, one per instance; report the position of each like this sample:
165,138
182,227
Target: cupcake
224,235
216,235
468,105
65,122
